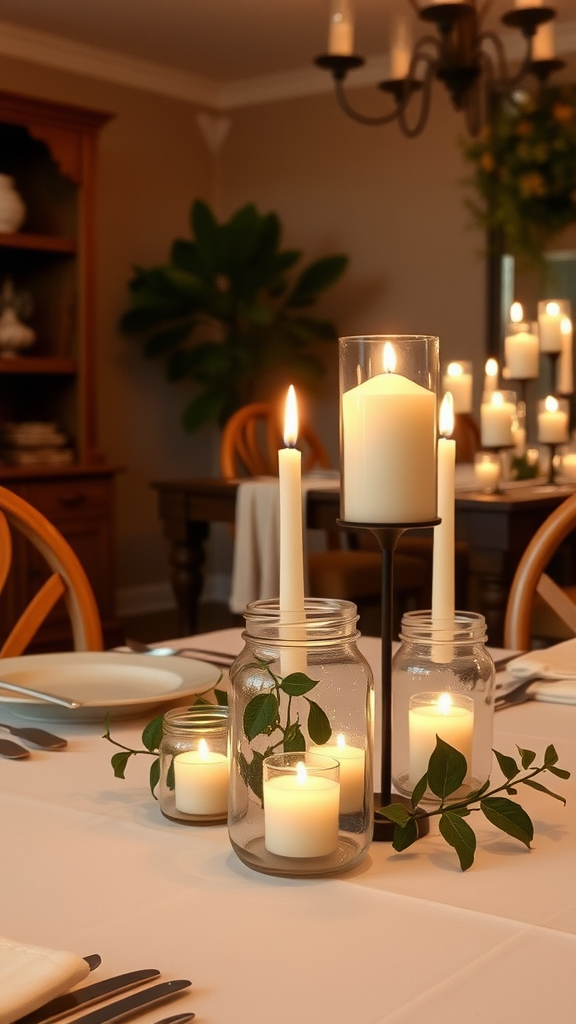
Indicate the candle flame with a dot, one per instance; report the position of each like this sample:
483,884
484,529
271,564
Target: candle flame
552,308
341,741
454,370
203,749
301,773
447,415
497,398
291,419
566,325
491,368
551,404
389,358
444,703
516,312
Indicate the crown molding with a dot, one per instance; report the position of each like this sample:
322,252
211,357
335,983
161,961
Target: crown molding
110,66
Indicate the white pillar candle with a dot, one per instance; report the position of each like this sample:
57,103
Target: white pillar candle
491,375
443,551
565,382
552,422
550,317
452,719
401,53
459,383
543,46
522,352
291,536
301,814
388,442
201,781
341,29
496,419
352,761
487,472
569,465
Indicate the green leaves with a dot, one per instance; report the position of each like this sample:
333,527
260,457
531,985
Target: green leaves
447,770
260,715
223,312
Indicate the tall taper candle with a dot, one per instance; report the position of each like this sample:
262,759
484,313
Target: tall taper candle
443,556
291,538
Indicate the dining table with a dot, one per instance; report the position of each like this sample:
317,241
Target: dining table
90,864
495,527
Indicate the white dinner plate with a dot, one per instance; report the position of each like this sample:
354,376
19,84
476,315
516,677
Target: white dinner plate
106,682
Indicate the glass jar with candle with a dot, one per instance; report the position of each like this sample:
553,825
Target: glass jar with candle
303,692
194,765
442,685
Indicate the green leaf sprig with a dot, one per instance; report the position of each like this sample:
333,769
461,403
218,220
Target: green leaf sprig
151,739
263,717
446,772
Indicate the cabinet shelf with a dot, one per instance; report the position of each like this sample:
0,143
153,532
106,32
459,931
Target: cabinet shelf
39,364
38,243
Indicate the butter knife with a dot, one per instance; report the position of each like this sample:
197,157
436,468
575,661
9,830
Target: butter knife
122,1007
95,993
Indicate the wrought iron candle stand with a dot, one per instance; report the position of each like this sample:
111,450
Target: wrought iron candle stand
388,536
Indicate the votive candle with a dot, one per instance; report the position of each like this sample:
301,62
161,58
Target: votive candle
449,716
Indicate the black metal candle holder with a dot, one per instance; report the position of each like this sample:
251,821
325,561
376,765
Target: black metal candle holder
388,536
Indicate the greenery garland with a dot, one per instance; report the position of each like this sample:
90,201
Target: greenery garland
525,171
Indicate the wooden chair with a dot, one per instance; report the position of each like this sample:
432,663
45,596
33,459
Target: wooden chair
67,580
466,433
533,593
249,447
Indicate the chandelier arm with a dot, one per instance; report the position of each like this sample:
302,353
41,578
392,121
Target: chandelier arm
356,115
503,70
407,130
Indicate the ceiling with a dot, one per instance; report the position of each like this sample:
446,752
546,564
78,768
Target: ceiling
218,40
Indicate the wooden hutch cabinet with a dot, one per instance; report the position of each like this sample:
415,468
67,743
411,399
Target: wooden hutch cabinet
50,151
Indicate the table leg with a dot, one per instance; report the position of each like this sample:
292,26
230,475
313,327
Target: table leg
187,561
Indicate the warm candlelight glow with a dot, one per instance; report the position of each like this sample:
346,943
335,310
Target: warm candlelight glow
301,773
516,313
454,370
497,399
551,404
340,741
203,749
446,421
291,419
444,703
491,368
552,308
566,325
389,358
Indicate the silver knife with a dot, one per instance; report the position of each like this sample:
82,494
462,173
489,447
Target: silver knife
122,1007
95,993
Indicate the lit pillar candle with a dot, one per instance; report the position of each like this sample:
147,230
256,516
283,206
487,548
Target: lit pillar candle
487,471
552,422
565,382
352,761
550,317
491,375
569,465
496,421
543,45
388,442
291,539
458,381
400,55
301,814
521,347
443,552
445,715
201,781
341,29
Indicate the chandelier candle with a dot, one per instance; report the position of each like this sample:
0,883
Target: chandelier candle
388,445
443,553
291,537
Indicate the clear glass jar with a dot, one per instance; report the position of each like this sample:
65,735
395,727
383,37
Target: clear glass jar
442,684
194,765
301,689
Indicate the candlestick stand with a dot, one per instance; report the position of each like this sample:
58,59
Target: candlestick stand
551,478
388,536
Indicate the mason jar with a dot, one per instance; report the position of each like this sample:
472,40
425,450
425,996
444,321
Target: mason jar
304,691
194,765
442,685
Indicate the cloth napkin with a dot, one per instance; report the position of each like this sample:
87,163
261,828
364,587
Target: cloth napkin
31,975
553,669
256,559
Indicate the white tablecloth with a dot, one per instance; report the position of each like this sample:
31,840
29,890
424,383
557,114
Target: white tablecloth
89,863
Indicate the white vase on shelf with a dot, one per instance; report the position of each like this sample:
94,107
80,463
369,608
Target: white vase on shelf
12,206
14,335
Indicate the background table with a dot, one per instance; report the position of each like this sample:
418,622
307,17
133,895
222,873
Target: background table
497,528
90,864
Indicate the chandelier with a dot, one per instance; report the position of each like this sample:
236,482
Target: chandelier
469,59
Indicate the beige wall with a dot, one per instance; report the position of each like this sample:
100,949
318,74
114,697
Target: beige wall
394,205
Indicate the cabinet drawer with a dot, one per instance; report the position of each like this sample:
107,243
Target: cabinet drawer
73,497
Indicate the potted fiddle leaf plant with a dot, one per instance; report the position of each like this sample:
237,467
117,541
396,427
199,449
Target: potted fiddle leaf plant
226,310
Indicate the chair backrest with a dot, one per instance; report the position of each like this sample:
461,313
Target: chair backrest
467,436
530,578
252,438
67,580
